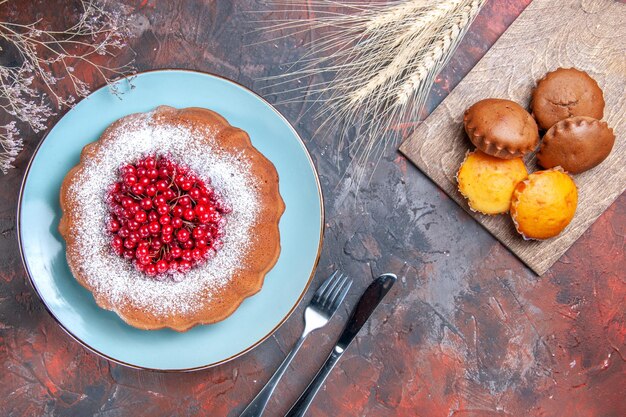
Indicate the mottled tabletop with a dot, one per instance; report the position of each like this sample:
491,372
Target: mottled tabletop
468,331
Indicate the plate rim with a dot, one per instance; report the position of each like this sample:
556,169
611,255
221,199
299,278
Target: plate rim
201,367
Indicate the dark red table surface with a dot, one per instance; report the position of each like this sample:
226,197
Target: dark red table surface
470,331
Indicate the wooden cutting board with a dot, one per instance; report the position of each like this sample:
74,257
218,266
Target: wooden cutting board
587,34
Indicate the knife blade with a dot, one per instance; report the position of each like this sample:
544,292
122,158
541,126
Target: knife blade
368,302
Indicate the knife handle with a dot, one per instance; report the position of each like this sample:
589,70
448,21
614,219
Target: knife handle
305,400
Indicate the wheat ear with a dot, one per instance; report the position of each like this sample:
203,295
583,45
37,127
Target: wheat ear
383,56
439,53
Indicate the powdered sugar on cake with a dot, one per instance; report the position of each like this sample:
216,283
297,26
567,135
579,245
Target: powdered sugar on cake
114,277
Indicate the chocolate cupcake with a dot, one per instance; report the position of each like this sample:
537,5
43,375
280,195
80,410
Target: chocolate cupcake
501,128
576,144
563,93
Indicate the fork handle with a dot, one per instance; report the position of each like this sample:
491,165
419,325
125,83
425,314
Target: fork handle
258,404
302,405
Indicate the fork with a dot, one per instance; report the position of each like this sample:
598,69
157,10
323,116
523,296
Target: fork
320,310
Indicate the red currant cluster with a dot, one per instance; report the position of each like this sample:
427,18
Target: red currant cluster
163,217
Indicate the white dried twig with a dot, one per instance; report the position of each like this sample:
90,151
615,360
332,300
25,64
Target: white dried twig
47,56
10,146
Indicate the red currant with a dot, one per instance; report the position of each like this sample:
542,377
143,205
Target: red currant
176,252
201,209
184,266
141,216
160,200
189,214
184,201
128,170
149,162
127,202
115,188
141,252
137,189
162,185
198,232
162,266
133,208
182,235
151,190
170,194
114,225
133,224
117,242
152,173
195,193
177,211
177,222
151,270
130,179
154,227
123,232
146,203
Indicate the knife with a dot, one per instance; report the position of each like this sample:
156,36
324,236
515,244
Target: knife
368,302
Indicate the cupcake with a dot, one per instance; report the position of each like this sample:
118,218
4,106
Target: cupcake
577,144
564,93
487,182
544,204
501,128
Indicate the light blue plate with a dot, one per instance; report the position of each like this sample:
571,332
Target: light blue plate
43,249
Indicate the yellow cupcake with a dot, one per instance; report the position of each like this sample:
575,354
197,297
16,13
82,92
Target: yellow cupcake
488,182
544,204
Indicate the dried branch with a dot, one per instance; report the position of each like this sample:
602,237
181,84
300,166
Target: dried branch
48,56
10,146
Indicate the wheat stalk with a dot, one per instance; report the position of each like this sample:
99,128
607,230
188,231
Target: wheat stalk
437,52
383,58
409,43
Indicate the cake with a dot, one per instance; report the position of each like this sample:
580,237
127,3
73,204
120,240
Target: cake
171,218
501,128
487,182
544,204
576,144
563,93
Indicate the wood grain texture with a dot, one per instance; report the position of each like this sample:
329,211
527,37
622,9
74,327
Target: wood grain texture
587,34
